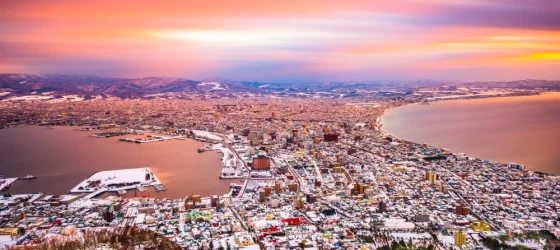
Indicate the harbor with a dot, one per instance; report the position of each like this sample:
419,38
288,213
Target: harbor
175,162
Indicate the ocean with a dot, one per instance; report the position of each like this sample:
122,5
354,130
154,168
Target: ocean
521,129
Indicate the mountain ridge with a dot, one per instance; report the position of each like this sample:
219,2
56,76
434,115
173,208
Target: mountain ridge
22,84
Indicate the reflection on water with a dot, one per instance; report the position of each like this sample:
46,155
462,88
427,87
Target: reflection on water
63,157
517,129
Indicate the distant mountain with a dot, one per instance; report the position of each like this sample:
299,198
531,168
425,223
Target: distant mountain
24,84
122,87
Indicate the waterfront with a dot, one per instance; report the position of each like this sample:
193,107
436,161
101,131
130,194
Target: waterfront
61,158
522,129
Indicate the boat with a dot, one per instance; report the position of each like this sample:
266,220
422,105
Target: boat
28,177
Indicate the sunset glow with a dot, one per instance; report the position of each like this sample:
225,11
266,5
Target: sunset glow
284,41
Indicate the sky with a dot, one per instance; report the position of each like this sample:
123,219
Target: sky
284,41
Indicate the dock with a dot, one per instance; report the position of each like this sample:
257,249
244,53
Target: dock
159,188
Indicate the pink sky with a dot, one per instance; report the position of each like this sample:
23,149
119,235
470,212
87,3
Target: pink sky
284,41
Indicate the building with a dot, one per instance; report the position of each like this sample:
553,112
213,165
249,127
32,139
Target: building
293,187
261,196
460,238
461,210
359,188
267,191
422,218
516,166
9,231
274,201
330,137
278,187
480,226
382,208
261,162
431,176
341,159
300,204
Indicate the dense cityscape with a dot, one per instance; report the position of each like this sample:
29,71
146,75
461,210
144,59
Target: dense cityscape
317,173
280,125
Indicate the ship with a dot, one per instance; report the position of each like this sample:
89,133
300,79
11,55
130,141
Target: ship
28,177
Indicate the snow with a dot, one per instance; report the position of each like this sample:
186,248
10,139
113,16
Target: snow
413,236
7,241
5,93
14,198
216,86
29,98
67,98
207,135
398,223
107,178
6,182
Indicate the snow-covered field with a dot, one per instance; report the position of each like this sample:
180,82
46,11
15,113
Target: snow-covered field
114,180
28,98
206,135
216,86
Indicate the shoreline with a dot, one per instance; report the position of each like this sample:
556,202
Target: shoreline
386,111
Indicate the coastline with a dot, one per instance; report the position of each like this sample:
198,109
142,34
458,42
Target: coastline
387,110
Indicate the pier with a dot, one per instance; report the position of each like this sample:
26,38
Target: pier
159,188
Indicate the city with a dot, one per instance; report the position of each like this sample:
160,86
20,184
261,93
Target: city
280,125
316,173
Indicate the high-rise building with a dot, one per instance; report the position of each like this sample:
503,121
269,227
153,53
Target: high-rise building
359,188
461,210
382,207
319,156
261,162
267,191
460,238
278,187
368,192
293,187
274,201
341,159
261,196
330,137
213,200
431,176
300,204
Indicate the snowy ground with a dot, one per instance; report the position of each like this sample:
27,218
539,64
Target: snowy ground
27,98
7,200
6,182
216,85
230,162
206,135
122,176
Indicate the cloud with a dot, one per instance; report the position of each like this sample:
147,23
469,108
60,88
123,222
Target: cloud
282,40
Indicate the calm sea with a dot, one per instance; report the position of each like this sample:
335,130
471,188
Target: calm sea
523,129
61,157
